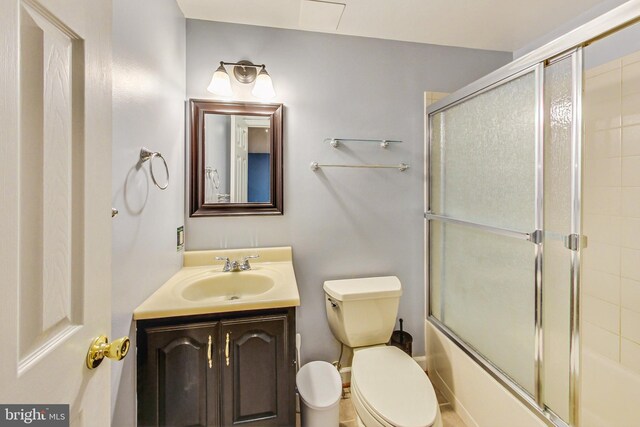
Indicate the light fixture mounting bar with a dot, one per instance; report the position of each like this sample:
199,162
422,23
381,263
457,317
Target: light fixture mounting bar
243,64
244,71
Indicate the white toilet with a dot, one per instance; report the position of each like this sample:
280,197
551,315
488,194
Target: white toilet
388,388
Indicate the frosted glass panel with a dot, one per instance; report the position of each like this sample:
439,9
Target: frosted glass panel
557,223
483,163
482,288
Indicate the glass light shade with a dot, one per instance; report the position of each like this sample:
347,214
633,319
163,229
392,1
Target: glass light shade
220,83
263,87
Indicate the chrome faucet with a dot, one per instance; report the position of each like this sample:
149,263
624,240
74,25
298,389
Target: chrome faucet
242,265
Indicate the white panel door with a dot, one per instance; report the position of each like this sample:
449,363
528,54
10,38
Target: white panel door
55,165
239,160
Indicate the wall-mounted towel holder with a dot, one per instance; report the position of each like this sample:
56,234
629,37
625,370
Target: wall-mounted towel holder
384,143
401,167
146,154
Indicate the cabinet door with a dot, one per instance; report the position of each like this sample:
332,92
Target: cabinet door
256,372
178,376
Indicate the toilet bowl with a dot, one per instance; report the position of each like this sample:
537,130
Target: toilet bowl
388,388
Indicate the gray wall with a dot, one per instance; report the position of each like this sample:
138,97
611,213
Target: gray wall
614,46
340,223
148,110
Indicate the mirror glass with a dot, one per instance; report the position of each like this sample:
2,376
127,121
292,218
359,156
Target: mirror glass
236,158
237,152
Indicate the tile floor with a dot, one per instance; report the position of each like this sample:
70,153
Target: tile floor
348,413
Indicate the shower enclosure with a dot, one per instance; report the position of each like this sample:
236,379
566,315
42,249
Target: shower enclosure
505,211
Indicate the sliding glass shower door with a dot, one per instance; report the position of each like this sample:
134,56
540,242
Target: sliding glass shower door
502,170
483,184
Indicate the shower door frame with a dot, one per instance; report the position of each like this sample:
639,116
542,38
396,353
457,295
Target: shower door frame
566,45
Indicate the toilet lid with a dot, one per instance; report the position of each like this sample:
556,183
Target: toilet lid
394,387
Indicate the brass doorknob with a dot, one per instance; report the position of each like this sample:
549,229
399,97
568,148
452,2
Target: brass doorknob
101,348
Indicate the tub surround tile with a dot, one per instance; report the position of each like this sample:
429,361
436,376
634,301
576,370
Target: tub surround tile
629,59
601,341
631,78
630,325
601,313
630,232
630,263
631,171
630,110
601,285
604,172
630,354
630,294
630,197
603,144
603,228
631,140
600,69
603,200
602,257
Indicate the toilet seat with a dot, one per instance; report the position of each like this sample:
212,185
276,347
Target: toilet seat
393,388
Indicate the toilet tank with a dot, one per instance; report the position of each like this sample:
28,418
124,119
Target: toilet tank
362,312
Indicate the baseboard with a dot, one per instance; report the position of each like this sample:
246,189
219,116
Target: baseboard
422,361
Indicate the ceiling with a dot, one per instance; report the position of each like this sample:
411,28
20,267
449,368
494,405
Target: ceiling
505,25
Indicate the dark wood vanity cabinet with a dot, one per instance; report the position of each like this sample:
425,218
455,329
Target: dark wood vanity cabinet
217,370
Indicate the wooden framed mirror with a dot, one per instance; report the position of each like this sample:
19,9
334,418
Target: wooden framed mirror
235,165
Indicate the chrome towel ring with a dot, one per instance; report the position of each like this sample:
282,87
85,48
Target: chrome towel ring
146,154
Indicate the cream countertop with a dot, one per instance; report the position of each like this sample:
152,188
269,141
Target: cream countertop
275,263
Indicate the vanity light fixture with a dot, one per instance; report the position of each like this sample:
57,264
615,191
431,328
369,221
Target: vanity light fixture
245,72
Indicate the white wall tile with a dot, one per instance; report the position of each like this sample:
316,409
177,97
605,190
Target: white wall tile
602,257
630,325
629,59
601,285
630,354
630,263
603,200
602,228
600,69
605,172
631,170
601,313
629,232
630,294
631,78
631,140
630,198
630,109
600,341
604,143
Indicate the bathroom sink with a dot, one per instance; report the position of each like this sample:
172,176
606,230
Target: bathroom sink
202,287
228,286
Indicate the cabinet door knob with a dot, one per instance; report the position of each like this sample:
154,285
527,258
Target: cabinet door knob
209,358
226,349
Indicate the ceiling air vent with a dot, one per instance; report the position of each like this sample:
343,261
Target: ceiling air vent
320,15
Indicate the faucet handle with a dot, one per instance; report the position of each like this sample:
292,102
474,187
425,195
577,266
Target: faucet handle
245,261
227,263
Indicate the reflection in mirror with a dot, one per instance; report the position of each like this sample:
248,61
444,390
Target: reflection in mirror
236,158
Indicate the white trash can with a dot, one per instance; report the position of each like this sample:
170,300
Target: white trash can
320,388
